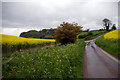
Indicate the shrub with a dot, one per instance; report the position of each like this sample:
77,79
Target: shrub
67,32
113,27
90,33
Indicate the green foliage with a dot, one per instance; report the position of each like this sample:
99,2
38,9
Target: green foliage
101,29
12,48
58,62
110,46
113,27
66,33
48,37
38,34
44,30
33,31
82,35
90,35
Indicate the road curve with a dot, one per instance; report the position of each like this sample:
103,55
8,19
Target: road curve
97,64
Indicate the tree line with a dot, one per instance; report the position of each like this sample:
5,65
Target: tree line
42,34
65,33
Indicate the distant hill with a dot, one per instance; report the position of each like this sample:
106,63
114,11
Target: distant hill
42,34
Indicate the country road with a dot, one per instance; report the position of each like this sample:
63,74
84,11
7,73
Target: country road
97,64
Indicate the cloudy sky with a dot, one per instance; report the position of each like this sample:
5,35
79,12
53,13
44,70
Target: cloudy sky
22,16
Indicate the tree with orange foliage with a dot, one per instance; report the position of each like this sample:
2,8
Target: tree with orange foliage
66,33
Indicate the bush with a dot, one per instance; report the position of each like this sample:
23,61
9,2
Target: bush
101,29
67,32
82,36
90,33
113,27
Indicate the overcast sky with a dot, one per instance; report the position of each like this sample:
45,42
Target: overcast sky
18,17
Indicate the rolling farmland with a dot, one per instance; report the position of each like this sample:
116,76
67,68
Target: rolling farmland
13,43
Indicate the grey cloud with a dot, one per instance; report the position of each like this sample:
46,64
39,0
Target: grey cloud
39,16
119,14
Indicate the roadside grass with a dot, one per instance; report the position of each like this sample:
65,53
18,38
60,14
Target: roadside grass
111,46
56,62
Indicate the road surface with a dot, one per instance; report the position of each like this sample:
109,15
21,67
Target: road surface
97,64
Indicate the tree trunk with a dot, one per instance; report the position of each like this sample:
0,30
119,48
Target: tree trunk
107,28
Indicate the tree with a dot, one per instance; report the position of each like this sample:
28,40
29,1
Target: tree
107,23
44,30
66,33
113,27
87,30
38,34
33,31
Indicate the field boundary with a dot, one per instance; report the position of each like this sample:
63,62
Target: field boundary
51,45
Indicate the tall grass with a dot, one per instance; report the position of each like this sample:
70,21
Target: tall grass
110,45
57,62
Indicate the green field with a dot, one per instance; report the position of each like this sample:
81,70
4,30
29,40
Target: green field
110,46
90,35
56,62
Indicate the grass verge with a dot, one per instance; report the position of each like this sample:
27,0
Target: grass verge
57,62
111,46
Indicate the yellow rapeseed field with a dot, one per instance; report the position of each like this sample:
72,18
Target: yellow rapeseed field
113,35
13,43
15,40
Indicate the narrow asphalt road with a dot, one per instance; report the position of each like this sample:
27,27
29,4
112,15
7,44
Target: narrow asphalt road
97,64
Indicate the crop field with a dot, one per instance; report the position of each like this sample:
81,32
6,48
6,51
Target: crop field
58,62
13,43
109,42
113,35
